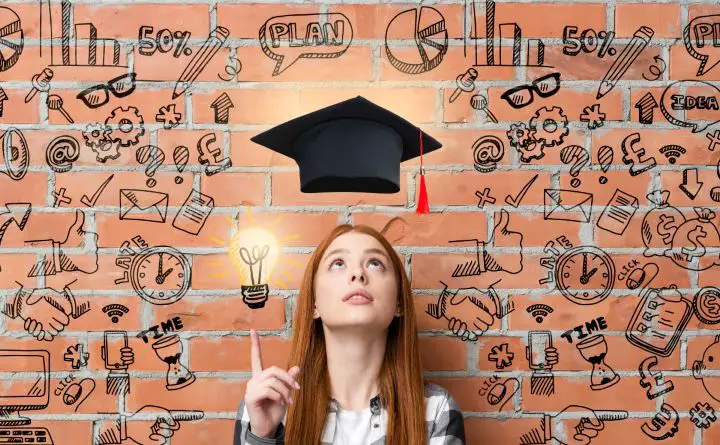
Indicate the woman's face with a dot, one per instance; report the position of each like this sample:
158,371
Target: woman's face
356,263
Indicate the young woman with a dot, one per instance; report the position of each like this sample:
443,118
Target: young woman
356,377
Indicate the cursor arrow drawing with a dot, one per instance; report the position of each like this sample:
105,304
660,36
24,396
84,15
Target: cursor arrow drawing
691,185
19,213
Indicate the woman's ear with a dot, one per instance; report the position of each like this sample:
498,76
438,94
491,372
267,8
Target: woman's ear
316,314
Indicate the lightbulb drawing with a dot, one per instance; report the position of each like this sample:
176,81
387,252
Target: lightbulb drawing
255,252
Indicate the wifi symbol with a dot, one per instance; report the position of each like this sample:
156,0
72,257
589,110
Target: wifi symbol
115,311
539,311
672,152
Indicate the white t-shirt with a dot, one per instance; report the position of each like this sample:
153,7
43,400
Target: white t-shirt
353,427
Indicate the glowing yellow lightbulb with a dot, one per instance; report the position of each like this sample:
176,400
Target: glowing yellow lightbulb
254,252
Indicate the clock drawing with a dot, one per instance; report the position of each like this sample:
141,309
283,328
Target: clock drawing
160,275
585,275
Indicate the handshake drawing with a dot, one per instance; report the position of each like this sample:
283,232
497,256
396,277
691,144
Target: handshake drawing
469,312
46,311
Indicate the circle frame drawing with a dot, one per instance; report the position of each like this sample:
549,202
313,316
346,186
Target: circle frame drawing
147,253
575,251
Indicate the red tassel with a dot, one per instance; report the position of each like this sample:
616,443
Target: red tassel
422,206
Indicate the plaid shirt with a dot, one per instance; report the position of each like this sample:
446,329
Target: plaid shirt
444,422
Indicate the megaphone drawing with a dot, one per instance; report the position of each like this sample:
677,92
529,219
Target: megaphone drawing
15,155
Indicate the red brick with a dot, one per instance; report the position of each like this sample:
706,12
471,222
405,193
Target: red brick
125,20
664,19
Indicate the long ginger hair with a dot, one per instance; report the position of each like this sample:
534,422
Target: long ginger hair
400,373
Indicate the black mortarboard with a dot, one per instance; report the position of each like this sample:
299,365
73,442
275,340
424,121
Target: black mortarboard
351,146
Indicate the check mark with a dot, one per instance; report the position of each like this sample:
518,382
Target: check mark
515,202
90,202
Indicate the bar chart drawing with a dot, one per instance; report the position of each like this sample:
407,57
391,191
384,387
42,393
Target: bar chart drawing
506,54
79,44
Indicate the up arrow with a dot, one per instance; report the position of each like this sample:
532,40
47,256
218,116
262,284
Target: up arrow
222,106
645,107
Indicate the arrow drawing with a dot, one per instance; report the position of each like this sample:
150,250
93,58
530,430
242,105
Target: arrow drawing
691,185
645,107
222,106
19,213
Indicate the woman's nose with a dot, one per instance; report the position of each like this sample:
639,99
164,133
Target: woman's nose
358,274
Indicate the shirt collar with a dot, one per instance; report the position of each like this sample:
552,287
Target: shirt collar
376,403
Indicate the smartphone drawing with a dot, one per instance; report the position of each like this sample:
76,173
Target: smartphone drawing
538,341
113,342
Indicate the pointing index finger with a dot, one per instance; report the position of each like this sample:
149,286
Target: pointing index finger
255,354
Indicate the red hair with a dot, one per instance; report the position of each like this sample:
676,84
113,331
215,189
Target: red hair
401,370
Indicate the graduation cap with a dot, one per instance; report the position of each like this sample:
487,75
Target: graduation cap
351,146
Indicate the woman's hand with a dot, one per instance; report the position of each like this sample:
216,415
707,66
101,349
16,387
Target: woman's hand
268,392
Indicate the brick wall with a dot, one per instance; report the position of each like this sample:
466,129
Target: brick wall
80,185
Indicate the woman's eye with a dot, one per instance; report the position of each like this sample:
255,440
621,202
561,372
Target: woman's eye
337,262
376,263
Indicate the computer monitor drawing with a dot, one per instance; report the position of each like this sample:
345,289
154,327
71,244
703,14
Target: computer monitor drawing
29,389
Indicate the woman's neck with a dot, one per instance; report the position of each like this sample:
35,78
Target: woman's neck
354,360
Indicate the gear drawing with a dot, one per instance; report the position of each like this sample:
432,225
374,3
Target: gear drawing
519,135
95,135
126,126
533,150
549,126
97,138
523,141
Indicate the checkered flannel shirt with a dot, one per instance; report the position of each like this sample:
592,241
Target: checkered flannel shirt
444,422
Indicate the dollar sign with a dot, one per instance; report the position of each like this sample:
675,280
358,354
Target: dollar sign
666,228
232,69
713,305
699,249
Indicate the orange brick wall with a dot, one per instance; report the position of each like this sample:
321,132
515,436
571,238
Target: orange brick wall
47,183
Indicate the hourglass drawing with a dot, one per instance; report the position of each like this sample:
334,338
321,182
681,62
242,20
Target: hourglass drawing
593,349
169,349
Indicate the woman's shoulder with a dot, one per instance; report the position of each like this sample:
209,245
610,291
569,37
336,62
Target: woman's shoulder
438,399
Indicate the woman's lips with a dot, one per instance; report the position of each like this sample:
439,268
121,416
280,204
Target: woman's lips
358,300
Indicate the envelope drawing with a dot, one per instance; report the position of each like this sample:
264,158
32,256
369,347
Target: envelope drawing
567,205
143,205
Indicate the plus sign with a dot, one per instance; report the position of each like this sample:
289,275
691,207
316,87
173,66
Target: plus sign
714,140
60,198
484,197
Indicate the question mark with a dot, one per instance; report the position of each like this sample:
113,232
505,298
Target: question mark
156,157
579,158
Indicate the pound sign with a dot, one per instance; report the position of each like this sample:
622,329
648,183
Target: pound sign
636,156
211,158
653,380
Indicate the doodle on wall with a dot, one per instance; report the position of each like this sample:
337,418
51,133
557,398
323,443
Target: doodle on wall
328,36
659,320
416,41
499,393
426,27
11,38
506,55
697,36
33,395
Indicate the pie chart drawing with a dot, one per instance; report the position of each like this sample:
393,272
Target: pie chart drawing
426,27
11,38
